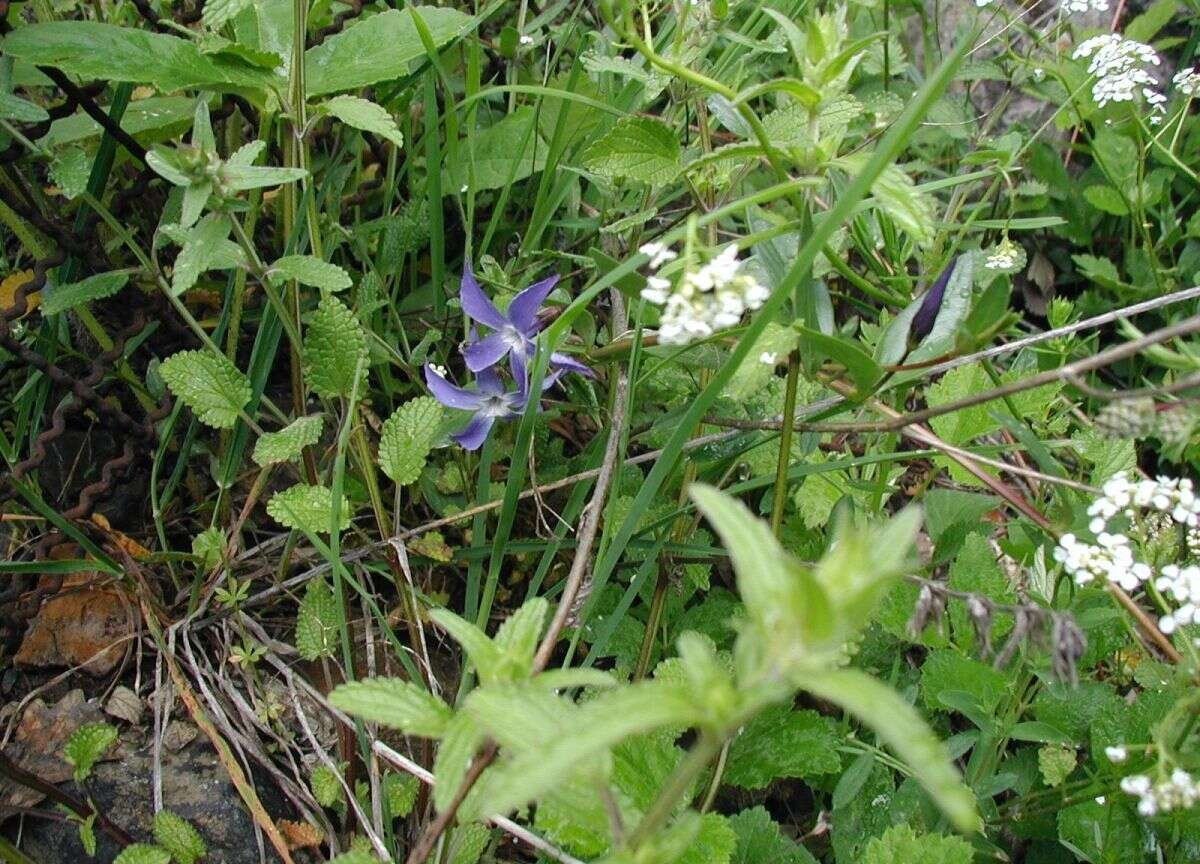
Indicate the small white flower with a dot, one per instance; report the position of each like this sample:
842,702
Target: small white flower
441,370
1187,81
768,358
526,40
463,190
659,254
1116,755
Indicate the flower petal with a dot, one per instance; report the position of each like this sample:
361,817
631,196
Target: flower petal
472,436
489,383
567,363
450,395
476,304
524,307
486,352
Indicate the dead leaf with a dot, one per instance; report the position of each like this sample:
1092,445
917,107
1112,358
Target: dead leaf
38,743
301,835
8,290
178,735
124,542
82,624
432,545
125,705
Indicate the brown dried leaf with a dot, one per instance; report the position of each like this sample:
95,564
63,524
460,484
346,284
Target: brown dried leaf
300,835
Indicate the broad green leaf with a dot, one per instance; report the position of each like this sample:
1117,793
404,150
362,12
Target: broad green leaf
155,118
143,853
289,442
899,725
208,384
209,546
637,148
782,742
217,13
517,637
460,742
86,745
64,297
503,153
378,48
400,791
316,622
70,170
334,349
900,844
365,115
467,843
481,651
759,840
407,438
1104,833
863,370
327,786
310,270
15,108
206,247
714,842
395,703
948,671
238,178
1146,26
177,836
307,508
1106,199
90,50
1056,763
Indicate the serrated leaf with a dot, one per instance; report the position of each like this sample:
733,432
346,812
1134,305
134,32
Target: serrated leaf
1106,199
178,837
97,287
334,347
316,622
208,384
207,247
209,546
400,791
517,637
310,270
326,786
143,853
781,742
900,844
13,107
289,442
759,840
378,48
407,438
354,856
365,115
432,545
238,178
70,170
395,703
458,747
1056,763
86,745
218,12
307,508
637,148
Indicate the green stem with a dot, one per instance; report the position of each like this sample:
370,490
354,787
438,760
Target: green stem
785,443
677,785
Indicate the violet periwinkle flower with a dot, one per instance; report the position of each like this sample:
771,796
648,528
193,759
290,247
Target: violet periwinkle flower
489,402
922,322
514,332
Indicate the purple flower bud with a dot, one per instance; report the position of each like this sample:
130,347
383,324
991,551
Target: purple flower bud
922,323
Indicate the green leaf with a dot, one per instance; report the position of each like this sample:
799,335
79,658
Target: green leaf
365,115
235,177
354,856
334,348
206,247
86,745
209,546
288,443
759,840
70,170
468,843
400,791
155,118
517,637
15,108
316,622
219,12
178,837
896,194
505,152
64,297
948,671
89,50
143,853
327,786
781,742
395,703
956,306
900,844
1056,763
637,148
1104,833
899,725
863,369
458,747
714,842
307,508
407,438
1106,199
208,384
378,48
1146,26
310,270
481,651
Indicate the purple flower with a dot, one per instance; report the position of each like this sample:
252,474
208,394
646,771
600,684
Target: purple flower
513,333
489,402
922,323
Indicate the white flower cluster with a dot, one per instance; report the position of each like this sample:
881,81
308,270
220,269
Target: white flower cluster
1177,792
1187,81
1110,561
1078,7
1121,495
1182,585
1119,66
1007,257
711,298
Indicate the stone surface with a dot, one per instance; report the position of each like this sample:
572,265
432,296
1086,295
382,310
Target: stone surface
38,742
